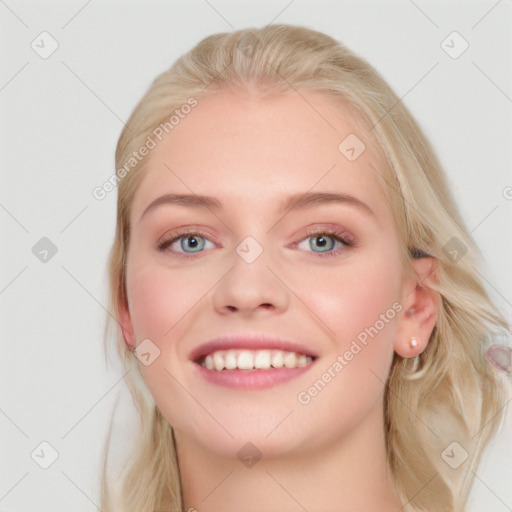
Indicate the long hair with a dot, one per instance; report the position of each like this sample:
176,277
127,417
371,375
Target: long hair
451,404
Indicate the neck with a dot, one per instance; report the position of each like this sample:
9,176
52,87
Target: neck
349,474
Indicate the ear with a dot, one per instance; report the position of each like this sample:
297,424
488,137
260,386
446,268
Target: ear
125,322
420,307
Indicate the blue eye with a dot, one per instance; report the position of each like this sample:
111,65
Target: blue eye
189,243
325,242
322,243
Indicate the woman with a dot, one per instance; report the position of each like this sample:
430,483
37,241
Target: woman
295,291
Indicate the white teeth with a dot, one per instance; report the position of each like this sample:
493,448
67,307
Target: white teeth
245,360
278,359
290,360
262,360
230,360
254,359
218,362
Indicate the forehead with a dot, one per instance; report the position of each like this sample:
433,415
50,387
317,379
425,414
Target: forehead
240,146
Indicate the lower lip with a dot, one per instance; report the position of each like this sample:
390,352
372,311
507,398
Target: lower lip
251,379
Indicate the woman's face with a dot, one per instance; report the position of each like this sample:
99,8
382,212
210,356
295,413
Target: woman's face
254,267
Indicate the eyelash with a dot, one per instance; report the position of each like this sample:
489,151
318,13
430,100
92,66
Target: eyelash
335,234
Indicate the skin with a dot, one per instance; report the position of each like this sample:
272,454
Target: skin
250,152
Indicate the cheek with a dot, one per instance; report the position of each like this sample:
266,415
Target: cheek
161,301
160,297
360,304
354,296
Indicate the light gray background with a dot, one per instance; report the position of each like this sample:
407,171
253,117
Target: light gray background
61,118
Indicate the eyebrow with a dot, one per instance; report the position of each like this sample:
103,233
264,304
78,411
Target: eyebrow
296,202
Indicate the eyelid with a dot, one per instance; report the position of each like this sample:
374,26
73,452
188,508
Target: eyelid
185,230
171,237
336,232
332,230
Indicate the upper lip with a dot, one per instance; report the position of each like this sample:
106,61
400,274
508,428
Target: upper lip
248,342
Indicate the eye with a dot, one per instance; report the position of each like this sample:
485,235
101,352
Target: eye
186,243
324,241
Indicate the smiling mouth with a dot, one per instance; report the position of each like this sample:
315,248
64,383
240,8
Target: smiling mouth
242,359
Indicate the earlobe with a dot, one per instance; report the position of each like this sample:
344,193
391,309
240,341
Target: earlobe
126,326
421,307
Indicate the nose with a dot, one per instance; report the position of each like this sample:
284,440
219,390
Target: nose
251,288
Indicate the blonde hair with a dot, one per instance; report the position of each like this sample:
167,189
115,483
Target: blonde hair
454,396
